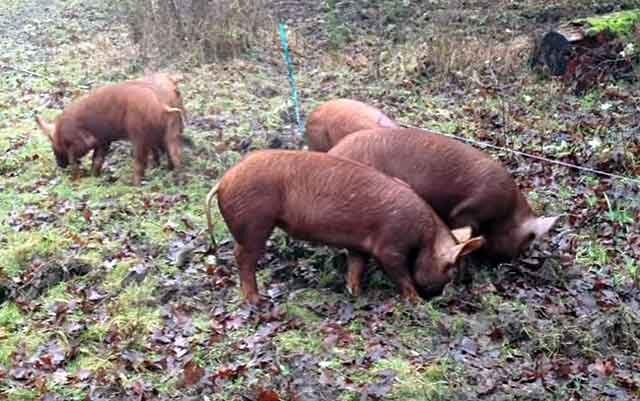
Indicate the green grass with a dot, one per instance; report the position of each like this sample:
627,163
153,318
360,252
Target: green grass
130,226
18,394
298,341
416,383
135,314
592,254
27,245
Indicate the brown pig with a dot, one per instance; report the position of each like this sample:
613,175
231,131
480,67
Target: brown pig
128,110
464,185
316,197
333,120
165,86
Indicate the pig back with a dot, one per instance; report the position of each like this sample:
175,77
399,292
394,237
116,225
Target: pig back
332,121
442,171
317,197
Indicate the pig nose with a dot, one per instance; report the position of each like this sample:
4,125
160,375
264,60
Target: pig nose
431,291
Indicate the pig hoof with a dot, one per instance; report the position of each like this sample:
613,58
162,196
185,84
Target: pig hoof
410,296
354,291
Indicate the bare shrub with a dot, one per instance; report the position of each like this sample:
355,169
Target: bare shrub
461,60
205,30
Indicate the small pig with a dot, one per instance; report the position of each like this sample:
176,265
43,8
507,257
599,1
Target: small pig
316,197
333,120
165,86
128,110
462,184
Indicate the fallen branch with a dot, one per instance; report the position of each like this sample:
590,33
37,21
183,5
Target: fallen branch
35,74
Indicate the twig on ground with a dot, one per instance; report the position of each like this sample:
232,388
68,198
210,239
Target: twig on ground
35,74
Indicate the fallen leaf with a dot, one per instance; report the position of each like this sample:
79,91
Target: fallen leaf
192,373
268,395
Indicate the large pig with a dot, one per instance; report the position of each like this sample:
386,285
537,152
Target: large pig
464,185
316,197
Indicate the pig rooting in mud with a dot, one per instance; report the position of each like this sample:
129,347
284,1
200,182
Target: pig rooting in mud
464,185
316,197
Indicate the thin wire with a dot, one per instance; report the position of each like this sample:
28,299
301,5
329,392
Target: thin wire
541,158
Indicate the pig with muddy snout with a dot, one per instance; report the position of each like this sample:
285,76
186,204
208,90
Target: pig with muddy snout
462,184
333,120
316,197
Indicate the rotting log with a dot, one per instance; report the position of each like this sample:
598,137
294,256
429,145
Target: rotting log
555,47
596,42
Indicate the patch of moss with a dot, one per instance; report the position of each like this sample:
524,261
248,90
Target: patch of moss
89,360
134,313
68,393
302,313
619,23
114,277
298,341
10,315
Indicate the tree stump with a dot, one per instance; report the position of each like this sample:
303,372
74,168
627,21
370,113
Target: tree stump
590,50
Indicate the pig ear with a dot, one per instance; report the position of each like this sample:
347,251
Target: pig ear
462,234
540,226
47,129
465,248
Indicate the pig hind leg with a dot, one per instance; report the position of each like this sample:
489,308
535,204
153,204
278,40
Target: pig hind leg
156,153
248,250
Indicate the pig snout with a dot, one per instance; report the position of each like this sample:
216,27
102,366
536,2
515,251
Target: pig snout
61,159
431,291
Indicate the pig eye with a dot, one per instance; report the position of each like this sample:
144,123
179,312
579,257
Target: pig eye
530,238
527,241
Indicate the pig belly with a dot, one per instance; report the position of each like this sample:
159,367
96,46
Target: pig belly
339,233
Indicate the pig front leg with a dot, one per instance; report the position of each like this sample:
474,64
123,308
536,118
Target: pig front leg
174,150
155,153
76,172
140,162
356,267
394,264
99,154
